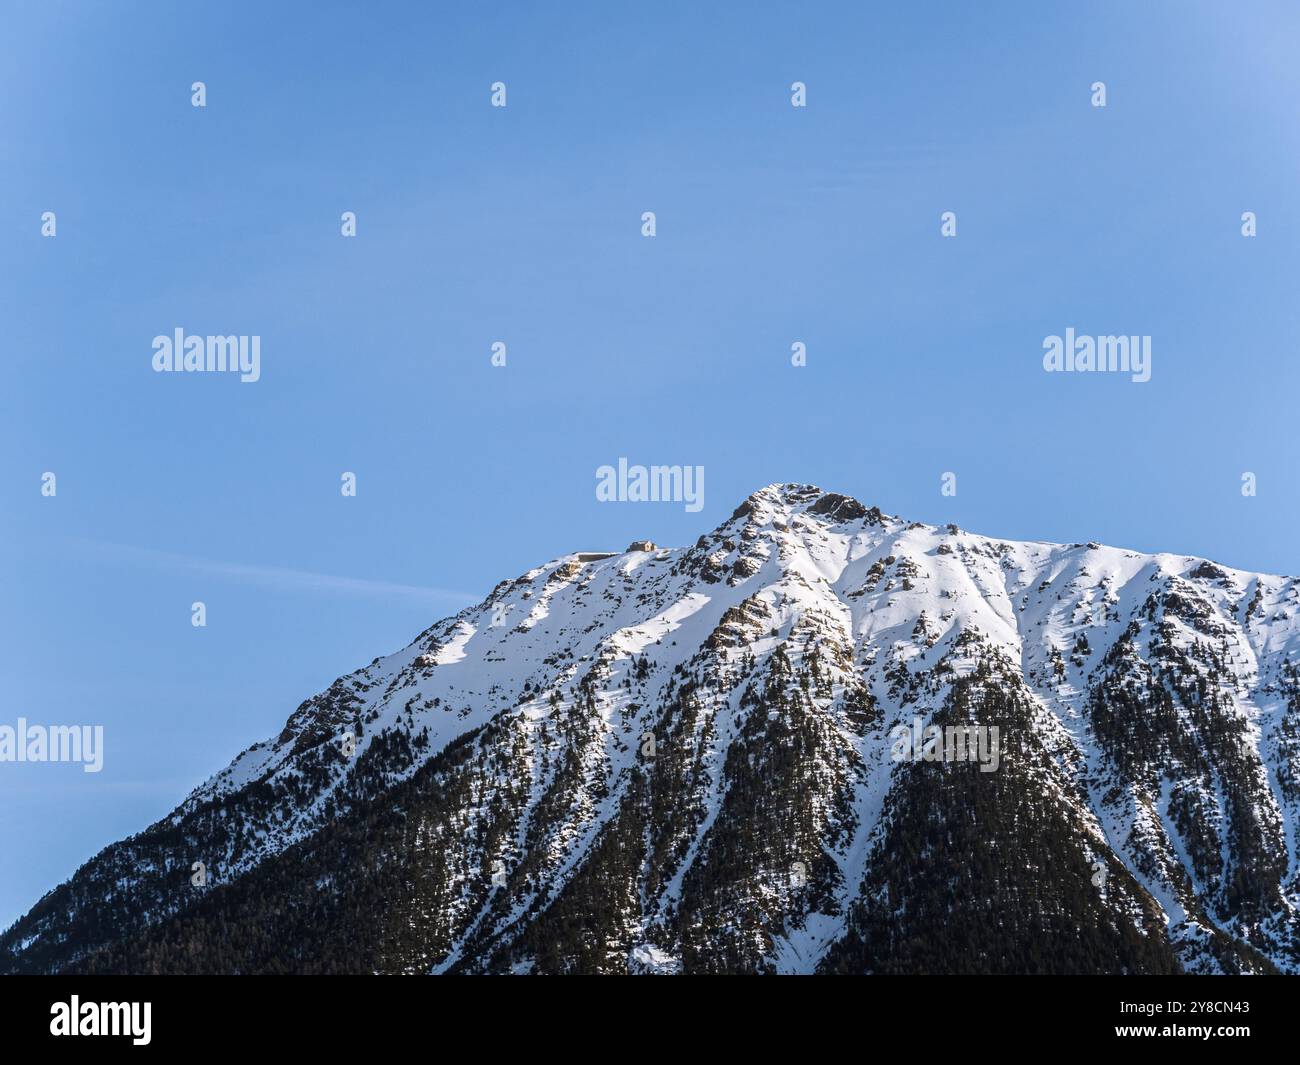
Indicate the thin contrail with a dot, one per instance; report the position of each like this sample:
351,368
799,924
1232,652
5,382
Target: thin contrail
281,577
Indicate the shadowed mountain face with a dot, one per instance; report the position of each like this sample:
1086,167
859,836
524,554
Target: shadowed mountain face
723,759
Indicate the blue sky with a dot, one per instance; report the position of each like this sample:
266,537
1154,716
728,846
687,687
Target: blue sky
522,224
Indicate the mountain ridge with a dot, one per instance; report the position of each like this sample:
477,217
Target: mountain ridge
678,760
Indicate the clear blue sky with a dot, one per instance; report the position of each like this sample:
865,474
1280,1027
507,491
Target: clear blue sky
522,225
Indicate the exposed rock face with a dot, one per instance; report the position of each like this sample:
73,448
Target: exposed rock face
686,760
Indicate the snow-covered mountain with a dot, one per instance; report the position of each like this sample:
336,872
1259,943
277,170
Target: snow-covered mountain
686,760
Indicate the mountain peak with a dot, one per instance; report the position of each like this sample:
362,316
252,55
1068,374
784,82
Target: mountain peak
700,746
780,501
